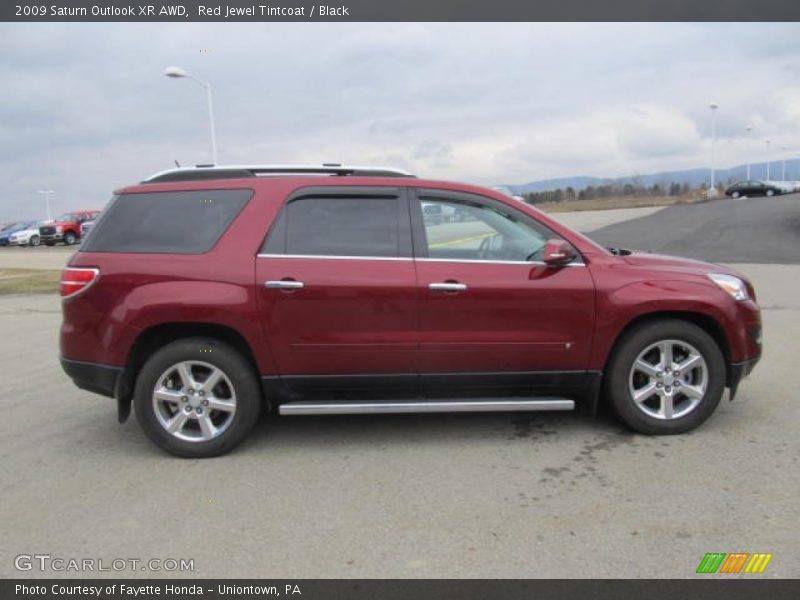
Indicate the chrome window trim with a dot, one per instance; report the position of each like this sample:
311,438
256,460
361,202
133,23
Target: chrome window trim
408,258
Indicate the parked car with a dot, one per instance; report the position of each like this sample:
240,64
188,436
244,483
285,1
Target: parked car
66,228
28,235
753,188
207,296
6,233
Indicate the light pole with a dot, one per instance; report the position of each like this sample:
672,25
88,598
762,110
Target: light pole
713,106
768,142
783,170
177,73
47,194
748,128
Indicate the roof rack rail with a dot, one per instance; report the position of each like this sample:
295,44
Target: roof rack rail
205,172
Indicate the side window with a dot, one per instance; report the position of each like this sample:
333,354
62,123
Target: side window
337,226
166,222
456,230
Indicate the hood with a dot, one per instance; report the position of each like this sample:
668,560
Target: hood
675,264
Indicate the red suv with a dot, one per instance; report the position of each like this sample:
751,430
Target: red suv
210,295
66,228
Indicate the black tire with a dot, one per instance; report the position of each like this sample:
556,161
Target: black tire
34,241
628,349
237,369
69,238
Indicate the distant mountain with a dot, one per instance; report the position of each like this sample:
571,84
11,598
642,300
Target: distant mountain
694,177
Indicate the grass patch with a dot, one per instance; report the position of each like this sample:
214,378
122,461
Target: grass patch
28,281
616,202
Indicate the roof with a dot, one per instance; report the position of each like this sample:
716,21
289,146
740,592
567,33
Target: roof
207,172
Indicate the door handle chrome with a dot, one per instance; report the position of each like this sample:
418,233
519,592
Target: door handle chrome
447,287
286,284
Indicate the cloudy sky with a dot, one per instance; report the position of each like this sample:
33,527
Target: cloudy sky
84,108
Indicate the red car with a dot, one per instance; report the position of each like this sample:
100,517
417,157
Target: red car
66,228
210,295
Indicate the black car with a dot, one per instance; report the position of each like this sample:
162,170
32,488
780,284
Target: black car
752,188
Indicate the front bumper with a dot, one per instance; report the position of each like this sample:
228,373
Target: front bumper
55,237
93,377
739,371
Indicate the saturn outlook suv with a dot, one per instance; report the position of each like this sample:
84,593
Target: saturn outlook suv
208,296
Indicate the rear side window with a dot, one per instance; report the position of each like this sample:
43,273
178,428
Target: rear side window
166,222
311,226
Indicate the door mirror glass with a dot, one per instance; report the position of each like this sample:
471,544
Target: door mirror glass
558,252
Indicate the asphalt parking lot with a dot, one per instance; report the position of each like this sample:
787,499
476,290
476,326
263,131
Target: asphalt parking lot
498,495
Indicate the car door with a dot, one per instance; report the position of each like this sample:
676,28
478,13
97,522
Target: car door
337,287
489,308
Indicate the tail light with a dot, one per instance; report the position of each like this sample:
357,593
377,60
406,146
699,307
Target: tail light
75,280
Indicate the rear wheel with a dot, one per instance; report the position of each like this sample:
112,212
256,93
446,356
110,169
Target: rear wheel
735,194
665,377
197,398
770,193
34,241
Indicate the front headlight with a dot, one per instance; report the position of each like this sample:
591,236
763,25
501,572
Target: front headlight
733,285
59,229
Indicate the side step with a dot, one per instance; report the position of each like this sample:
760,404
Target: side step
326,407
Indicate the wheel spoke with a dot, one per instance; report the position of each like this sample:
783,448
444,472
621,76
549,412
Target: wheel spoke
666,408
166,395
694,360
212,380
665,348
185,373
646,368
176,423
207,427
220,404
692,391
644,393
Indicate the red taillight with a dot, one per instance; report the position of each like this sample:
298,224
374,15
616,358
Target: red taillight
74,280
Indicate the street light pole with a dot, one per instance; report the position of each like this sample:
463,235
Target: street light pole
768,142
714,106
783,170
177,73
748,128
47,194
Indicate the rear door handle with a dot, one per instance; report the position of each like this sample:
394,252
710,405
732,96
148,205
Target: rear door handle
447,286
284,284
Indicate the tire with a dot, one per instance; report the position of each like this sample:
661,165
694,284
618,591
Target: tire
650,415
735,194
201,431
69,238
770,193
34,241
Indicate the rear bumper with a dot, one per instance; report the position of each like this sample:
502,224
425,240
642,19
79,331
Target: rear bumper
93,377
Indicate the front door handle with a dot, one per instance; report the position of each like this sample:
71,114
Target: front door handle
284,284
448,286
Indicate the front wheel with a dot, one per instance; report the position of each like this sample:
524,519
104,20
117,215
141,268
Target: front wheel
665,377
69,238
197,398
770,193
735,194
34,241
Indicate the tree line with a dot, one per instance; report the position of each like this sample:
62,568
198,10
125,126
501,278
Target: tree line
614,190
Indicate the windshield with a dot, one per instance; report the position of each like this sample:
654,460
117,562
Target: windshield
67,217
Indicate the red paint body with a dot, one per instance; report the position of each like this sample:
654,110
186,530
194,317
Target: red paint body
370,316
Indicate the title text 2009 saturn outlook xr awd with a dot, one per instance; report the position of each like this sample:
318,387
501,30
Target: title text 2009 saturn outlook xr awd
209,295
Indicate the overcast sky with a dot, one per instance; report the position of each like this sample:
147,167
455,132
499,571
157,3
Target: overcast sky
84,108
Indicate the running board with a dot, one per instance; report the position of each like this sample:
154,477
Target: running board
326,407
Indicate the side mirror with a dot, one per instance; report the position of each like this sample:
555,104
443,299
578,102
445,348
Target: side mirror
558,253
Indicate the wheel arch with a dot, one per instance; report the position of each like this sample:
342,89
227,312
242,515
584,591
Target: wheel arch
157,336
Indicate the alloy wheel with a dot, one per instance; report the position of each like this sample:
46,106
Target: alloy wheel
668,379
194,401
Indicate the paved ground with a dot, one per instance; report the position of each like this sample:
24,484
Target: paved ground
755,230
543,495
